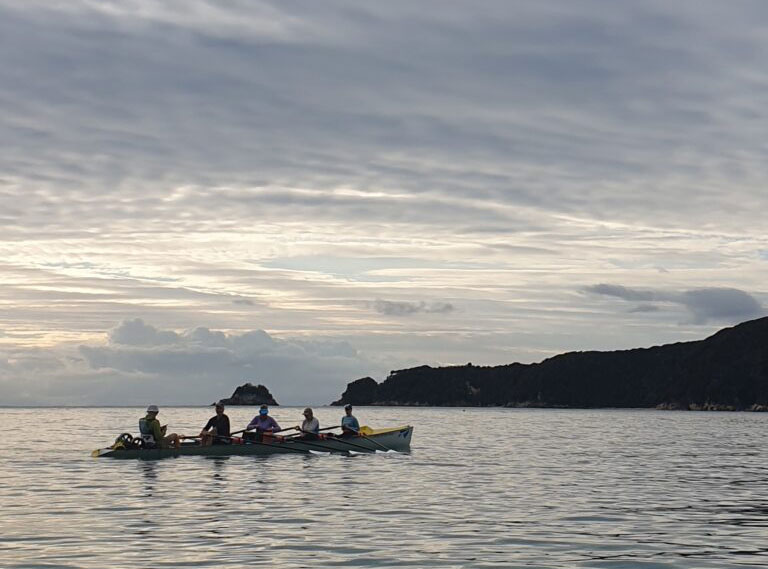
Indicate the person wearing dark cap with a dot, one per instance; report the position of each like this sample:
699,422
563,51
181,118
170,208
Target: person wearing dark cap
263,423
349,425
216,430
153,434
310,427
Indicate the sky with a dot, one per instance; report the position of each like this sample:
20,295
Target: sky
198,193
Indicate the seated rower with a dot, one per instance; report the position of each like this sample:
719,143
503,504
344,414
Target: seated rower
153,434
262,423
310,427
216,430
349,425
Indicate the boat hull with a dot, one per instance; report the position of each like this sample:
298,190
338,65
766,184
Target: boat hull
396,439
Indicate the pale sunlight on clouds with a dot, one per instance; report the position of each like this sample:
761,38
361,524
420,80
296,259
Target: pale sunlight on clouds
370,186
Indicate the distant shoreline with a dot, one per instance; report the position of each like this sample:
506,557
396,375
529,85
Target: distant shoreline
762,409
727,371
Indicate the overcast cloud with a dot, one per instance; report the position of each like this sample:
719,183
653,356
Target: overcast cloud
719,304
193,367
407,308
358,187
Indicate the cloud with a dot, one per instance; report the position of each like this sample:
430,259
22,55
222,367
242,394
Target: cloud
392,308
721,304
622,292
202,364
550,100
703,305
136,333
198,366
298,113
191,162
644,308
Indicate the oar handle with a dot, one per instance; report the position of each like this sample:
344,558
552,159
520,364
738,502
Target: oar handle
318,430
377,443
249,430
281,430
273,432
312,432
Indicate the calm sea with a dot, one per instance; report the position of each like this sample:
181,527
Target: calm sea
481,488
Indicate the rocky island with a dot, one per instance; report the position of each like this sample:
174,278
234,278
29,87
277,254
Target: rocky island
727,371
249,394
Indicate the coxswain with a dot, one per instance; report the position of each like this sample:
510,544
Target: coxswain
153,434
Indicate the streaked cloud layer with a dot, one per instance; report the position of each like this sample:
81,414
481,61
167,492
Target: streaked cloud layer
419,183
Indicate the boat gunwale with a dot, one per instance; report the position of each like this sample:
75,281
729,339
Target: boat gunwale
260,448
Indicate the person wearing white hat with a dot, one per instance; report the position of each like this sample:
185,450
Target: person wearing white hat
153,434
310,426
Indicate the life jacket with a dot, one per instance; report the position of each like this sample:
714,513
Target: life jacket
145,428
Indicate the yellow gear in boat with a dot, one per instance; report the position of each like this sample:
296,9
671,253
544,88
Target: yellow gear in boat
367,431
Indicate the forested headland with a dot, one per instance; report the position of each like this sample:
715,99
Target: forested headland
727,371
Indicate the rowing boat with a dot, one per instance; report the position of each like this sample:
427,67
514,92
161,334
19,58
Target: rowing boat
368,441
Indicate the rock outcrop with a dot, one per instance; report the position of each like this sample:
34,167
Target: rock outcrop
249,394
727,371
363,389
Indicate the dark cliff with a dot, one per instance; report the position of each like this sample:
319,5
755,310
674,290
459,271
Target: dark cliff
728,370
249,394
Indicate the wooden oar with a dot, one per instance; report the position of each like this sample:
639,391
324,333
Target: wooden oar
278,445
347,442
339,440
255,429
314,443
231,435
362,434
318,430
297,438
377,443
342,441
294,440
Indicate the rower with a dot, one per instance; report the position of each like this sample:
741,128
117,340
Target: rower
349,425
216,430
153,434
310,427
262,423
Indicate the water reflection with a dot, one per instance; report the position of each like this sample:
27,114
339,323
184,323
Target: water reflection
577,489
149,472
218,488
219,462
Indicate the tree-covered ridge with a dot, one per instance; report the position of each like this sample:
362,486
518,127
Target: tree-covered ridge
728,370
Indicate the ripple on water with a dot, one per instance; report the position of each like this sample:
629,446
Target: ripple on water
582,489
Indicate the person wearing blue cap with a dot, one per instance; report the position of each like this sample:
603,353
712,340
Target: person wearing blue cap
263,423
